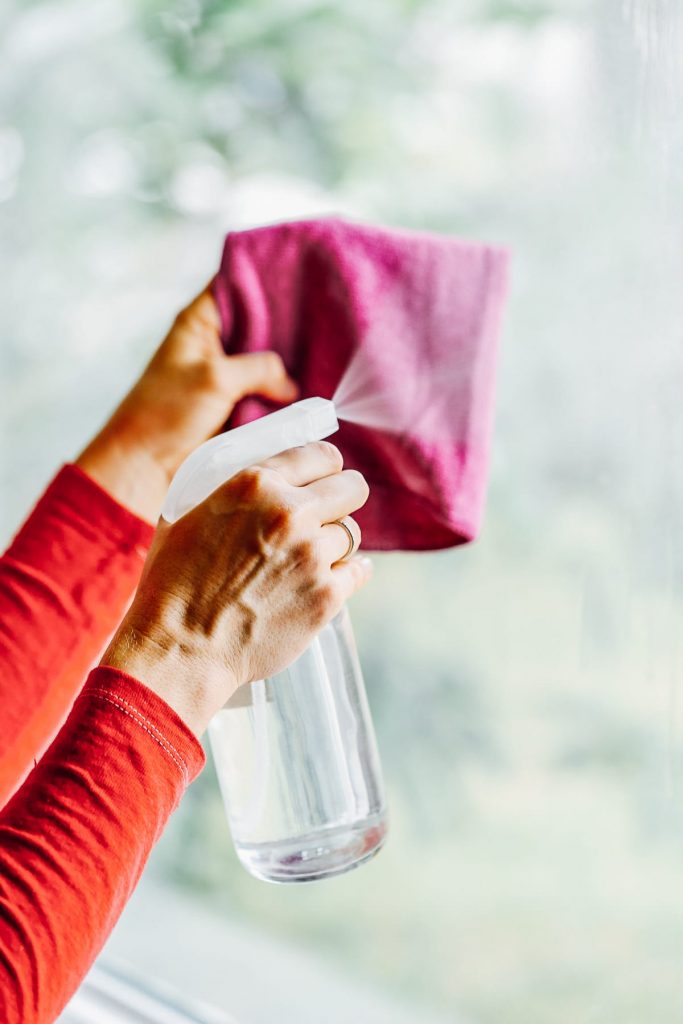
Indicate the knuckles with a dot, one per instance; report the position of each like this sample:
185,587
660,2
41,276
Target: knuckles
206,377
305,555
266,494
323,604
277,521
252,485
184,320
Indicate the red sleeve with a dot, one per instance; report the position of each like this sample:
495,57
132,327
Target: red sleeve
75,837
65,583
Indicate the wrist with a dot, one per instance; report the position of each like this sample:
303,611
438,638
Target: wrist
128,471
190,683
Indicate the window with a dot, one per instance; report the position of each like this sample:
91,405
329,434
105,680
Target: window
525,690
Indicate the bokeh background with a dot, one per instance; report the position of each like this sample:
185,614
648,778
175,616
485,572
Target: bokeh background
526,691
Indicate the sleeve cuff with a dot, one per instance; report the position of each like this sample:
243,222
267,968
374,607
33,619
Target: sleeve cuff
164,727
74,486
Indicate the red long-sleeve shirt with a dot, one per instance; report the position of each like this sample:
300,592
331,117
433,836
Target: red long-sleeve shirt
75,836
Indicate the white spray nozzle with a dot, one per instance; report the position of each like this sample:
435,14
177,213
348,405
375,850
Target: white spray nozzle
217,460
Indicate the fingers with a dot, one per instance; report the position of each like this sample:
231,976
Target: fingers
254,373
201,312
337,496
336,544
301,466
259,373
350,576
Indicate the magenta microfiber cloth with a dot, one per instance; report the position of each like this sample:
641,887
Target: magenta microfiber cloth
407,323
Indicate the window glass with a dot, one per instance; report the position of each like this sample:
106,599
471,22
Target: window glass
526,689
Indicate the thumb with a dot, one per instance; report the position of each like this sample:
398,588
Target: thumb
259,373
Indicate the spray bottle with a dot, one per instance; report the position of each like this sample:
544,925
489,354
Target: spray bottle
296,754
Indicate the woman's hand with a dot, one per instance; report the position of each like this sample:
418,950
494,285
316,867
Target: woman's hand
184,396
237,588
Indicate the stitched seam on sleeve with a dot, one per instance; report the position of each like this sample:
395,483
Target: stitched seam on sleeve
144,723
136,711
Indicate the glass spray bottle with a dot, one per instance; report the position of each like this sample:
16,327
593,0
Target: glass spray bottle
296,754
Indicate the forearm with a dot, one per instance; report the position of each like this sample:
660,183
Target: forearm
74,839
65,583
129,472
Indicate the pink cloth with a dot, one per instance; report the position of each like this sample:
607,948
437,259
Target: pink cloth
421,313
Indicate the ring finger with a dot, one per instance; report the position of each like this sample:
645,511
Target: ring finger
337,495
340,540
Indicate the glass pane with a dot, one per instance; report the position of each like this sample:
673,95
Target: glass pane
525,690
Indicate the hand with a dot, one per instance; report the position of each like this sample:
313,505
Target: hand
184,396
237,588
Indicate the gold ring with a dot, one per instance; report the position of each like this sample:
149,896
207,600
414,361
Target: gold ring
352,540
